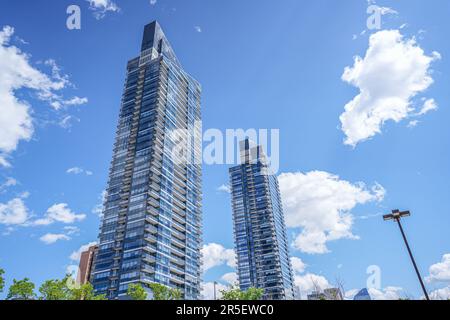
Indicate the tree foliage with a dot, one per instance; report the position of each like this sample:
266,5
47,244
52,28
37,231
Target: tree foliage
136,292
161,292
55,289
63,289
85,292
21,290
2,280
235,293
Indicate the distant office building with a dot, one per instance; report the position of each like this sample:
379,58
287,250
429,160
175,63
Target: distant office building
333,294
363,295
327,294
85,267
152,217
297,293
259,229
316,296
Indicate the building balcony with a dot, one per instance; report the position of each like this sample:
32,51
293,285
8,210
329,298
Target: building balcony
148,258
177,252
151,239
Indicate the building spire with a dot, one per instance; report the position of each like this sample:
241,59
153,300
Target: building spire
155,42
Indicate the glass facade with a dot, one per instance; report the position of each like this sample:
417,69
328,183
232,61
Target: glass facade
259,229
151,226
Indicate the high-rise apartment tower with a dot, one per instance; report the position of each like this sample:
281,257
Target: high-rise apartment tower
152,216
259,228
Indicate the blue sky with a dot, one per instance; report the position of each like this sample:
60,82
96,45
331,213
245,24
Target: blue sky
262,65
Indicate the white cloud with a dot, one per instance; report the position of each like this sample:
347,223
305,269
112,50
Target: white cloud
388,293
387,10
320,204
198,29
51,238
215,255
75,101
102,7
440,294
10,182
231,278
393,72
16,123
429,105
71,230
66,121
14,212
413,123
59,213
224,188
153,2
310,282
78,170
440,272
3,162
350,294
98,209
298,266
76,255
207,290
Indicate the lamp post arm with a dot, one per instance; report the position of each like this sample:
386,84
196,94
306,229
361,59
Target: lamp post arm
412,259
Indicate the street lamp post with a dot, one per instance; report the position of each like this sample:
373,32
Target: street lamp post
396,215
215,295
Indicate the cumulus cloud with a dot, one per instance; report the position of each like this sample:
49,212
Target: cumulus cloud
78,170
76,255
224,188
413,123
388,293
153,2
59,213
71,230
309,283
51,238
75,101
14,212
440,272
440,294
215,255
429,105
10,182
231,278
16,123
298,266
102,7
392,73
320,204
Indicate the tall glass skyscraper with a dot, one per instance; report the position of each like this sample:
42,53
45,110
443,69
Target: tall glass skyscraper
259,229
151,226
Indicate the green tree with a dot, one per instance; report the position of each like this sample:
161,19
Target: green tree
55,289
253,294
85,292
235,293
161,292
2,280
177,294
136,292
21,290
